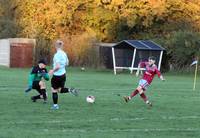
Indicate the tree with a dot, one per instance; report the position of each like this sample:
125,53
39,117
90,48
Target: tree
8,25
181,47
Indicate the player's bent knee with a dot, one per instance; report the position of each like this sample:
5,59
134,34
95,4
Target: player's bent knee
141,92
54,90
139,88
42,85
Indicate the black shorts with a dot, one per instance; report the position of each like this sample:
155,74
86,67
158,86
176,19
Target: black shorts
36,85
58,81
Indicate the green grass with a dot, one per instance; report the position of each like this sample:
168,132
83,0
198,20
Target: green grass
175,112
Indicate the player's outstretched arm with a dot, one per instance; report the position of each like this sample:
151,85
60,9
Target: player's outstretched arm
45,76
160,75
28,89
57,67
30,82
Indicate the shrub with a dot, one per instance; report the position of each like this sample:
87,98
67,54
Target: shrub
182,47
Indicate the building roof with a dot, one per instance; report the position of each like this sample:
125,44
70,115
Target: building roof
105,44
140,44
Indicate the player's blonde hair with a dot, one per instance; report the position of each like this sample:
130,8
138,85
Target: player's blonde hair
59,44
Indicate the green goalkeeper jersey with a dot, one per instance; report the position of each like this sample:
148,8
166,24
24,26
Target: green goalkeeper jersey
37,74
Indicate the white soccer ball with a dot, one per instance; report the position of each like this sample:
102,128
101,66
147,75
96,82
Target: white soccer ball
82,69
90,99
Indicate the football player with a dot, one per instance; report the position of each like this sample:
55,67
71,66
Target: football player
36,81
60,62
150,71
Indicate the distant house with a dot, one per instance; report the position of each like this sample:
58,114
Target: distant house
17,52
128,53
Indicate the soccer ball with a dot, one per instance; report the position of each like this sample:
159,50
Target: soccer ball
90,99
82,69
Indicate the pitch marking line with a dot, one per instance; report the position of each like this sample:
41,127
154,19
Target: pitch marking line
112,119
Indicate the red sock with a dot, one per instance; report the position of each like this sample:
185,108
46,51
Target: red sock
143,96
134,93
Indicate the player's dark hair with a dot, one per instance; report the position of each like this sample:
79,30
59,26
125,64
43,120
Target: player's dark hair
42,61
152,58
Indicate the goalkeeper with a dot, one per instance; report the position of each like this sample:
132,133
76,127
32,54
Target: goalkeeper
36,81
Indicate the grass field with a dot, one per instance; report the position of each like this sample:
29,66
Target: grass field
175,112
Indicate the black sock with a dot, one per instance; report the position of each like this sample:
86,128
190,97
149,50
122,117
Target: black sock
43,92
39,91
55,98
36,97
64,90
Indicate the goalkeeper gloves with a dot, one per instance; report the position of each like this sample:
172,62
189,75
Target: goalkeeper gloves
28,89
43,74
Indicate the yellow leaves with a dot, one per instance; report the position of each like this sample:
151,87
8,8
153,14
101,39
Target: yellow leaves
194,14
52,18
138,13
43,17
117,2
113,5
157,6
132,20
105,2
1,11
183,12
78,46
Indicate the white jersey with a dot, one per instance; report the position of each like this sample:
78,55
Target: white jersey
61,58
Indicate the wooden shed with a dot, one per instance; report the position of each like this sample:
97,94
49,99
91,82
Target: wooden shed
104,52
17,52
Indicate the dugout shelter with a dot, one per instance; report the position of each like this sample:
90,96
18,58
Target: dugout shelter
128,53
